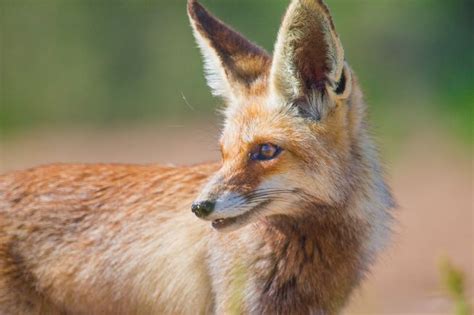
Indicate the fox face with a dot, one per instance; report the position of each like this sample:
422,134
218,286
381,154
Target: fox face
287,139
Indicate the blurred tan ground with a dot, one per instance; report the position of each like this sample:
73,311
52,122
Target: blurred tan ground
431,179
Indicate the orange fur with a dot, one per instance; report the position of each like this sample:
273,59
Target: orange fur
302,227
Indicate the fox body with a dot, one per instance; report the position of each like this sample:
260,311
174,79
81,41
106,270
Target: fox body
288,222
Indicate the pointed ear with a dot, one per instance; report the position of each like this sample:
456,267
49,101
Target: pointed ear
308,65
232,63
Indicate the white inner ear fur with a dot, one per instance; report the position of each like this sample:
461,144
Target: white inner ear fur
214,71
285,80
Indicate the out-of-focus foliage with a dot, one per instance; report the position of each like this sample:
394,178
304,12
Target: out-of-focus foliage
453,281
104,62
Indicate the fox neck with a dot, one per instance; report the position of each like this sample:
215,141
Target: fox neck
300,265
315,262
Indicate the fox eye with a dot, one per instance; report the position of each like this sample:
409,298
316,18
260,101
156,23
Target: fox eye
265,152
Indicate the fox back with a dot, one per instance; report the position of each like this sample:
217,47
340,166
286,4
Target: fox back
288,222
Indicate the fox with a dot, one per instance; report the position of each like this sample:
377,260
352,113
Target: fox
289,221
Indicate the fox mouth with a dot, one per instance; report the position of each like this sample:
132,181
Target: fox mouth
240,220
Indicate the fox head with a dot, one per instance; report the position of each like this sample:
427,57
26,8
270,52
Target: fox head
291,120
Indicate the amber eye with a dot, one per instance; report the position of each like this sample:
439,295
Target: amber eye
264,152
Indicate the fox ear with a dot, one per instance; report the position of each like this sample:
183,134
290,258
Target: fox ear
308,65
232,63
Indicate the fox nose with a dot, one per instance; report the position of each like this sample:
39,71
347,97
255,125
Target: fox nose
203,208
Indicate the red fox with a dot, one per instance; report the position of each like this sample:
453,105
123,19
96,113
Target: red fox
288,222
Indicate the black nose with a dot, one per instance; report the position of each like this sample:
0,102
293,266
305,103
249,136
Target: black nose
203,208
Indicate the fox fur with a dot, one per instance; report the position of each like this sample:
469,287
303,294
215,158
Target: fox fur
304,227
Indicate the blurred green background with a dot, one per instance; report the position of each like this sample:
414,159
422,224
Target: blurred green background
70,62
